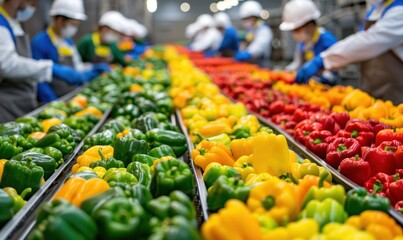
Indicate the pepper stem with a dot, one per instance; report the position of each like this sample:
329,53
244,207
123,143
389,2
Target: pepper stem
357,157
199,135
341,148
396,177
101,154
354,134
323,178
400,210
25,192
377,187
203,151
317,141
268,202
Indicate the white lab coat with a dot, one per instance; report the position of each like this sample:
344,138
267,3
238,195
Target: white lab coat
16,68
386,34
261,43
209,39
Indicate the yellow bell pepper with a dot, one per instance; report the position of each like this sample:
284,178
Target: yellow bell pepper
189,111
249,121
244,166
89,111
338,231
302,229
271,154
377,223
79,100
100,171
92,155
2,162
237,109
394,121
207,152
377,111
48,123
37,135
355,99
276,198
254,178
300,170
136,88
242,147
210,113
234,222
214,128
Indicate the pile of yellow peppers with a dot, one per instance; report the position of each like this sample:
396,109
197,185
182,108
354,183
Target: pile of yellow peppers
357,103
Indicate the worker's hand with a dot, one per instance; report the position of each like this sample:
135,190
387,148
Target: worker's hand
45,93
309,69
67,74
101,68
242,56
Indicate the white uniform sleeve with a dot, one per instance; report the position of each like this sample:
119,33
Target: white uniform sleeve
385,35
297,62
206,40
17,68
261,42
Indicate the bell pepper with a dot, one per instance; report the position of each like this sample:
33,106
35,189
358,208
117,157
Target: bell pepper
254,178
85,173
172,175
177,227
376,223
224,189
326,211
6,207
60,139
399,157
79,123
399,207
55,153
145,124
340,149
129,111
271,154
306,167
242,147
214,170
275,198
394,192
241,132
37,135
207,152
18,199
250,122
106,163
14,128
389,135
341,118
305,185
379,183
91,110
177,141
32,121
64,129
76,190
176,204
90,205
229,223
315,142
47,163
244,166
116,125
9,148
214,128
126,147
132,133
21,175
361,131
106,137
2,163
26,143
92,155
61,220
355,169
304,128
50,122
359,200
119,218
119,175
141,171
161,151
335,192
303,229
168,126
144,158
221,138
338,231
382,158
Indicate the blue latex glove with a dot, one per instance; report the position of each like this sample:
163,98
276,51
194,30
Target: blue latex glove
140,49
101,68
67,74
242,56
45,93
210,53
309,69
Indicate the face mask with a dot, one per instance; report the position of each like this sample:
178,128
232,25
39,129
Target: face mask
24,15
300,36
69,31
110,37
248,24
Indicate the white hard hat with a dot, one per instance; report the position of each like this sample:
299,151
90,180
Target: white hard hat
114,20
222,19
250,9
191,30
205,20
138,29
73,9
298,12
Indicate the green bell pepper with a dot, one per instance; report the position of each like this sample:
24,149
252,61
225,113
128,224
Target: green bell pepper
176,228
320,193
138,193
47,163
85,174
359,200
9,148
106,137
168,126
129,111
241,132
32,121
60,139
172,175
141,171
21,175
80,123
145,105
108,163
120,218
56,154
136,134
18,200
217,170
116,175
144,158
126,147
177,141
92,204
76,136
51,112
26,143
60,105
159,117
13,128
144,123
225,189
62,220
165,106
161,151
6,207
324,212
114,125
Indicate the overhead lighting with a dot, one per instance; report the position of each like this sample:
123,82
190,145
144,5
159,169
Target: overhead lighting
213,7
233,3
151,5
185,7
264,14
221,6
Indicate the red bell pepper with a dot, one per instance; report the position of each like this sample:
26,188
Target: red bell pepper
382,158
399,158
276,107
362,131
355,169
399,207
340,149
315,142
329,124
305,128
300,115
341,118
400,172
395,190
379,184
377,126
389,135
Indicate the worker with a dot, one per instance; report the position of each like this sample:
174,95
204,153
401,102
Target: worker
132,43
55,44
191,32
19,73
208,37
299,16
379,49
258,38
230,43
101,46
